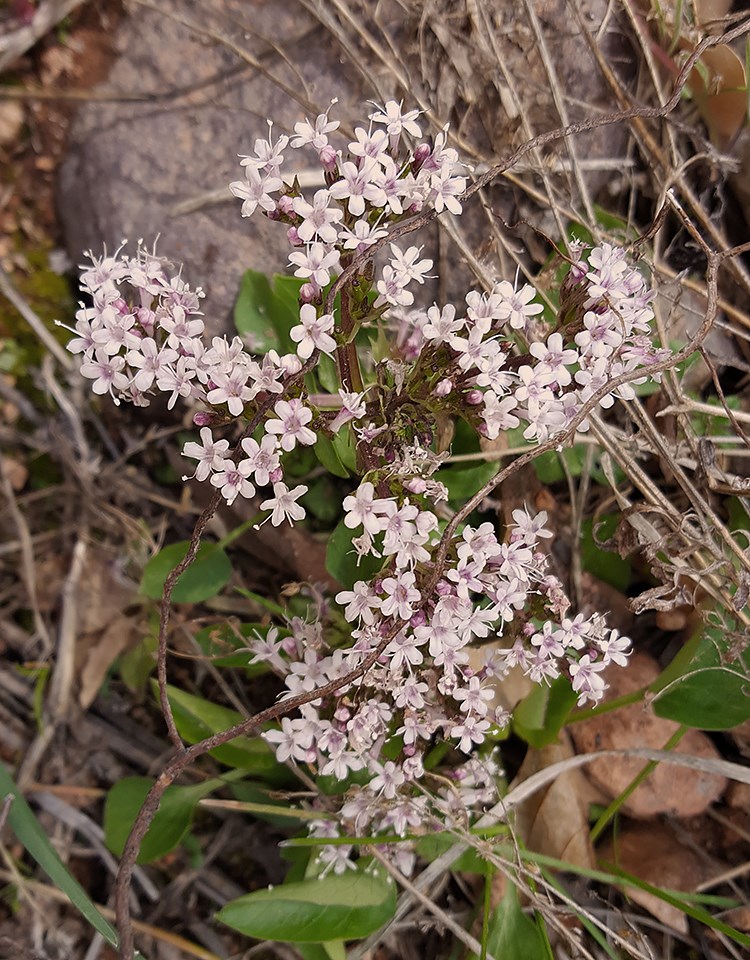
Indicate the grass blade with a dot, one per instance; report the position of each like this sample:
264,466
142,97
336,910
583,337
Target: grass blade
29,831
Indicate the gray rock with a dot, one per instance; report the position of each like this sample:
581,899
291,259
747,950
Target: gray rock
130,163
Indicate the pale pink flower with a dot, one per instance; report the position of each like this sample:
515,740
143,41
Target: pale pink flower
284,504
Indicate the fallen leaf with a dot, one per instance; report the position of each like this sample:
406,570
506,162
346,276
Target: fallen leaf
718,91
11,121
16,472
661,859
100,655
555,821
679,791
739,918
102,593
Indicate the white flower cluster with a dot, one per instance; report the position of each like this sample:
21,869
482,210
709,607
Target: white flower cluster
423,686
499,365
144,333
557,377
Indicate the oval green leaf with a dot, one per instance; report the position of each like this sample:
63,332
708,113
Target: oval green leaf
341,558
711,693
197,719
706,690
168,828
346,907
204,578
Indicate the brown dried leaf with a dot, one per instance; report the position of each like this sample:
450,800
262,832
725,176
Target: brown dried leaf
669,789
16,472
708,10
99,652
103,594
660,858
721,98
555,821
11,122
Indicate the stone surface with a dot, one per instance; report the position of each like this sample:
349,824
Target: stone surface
130,163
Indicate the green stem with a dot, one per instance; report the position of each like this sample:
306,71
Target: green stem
625,700
617,803
347,359
487,909
237,532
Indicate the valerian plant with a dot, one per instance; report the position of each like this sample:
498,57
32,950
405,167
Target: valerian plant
494,361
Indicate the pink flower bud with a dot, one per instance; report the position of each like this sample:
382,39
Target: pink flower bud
285,205
419,619
422,152
444,589
443,388
308,292
293,237
416,485
291,364
289,646
474,397
276,476
203,418
328,158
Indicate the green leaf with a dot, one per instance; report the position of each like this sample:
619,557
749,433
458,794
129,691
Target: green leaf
341,558
322,502
266,311
463,482
606,565
541,715
706,690
29,832
327,374
549,468
320,951
204,578
168,828
256,796
337,907
343,444
514,936
430,847
328,456
219,640
197,719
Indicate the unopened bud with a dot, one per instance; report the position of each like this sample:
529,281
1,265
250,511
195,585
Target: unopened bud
422,152
293,237
474,397
416,485
285,205
419,619
443,388
328,158
308,292
289,646
203,418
